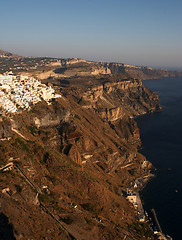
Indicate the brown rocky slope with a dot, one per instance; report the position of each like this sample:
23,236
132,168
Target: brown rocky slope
74,159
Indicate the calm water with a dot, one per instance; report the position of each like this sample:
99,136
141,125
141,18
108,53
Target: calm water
161,135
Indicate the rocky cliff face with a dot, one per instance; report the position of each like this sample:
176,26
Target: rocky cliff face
44,68
74,68
142,73
69,61
5,129
50,119
115,100
83,148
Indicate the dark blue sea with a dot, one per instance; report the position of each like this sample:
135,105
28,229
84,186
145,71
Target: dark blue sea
161,135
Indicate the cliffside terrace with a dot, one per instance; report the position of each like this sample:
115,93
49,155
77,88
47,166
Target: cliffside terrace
19,92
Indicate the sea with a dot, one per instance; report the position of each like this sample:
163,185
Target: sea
161,135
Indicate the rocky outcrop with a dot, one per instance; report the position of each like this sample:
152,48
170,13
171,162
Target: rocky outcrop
74,68
123,84
117,104
52,119
80,67
71,70
100,70
140,72
77,71
114,100
75,155
5,129
112,114
69,61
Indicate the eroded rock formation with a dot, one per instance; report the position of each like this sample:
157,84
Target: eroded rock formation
84,147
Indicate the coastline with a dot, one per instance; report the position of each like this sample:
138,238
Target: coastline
141,182
161,146
133,196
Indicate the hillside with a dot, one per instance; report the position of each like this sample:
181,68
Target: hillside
82,150
45,67
71,160
7,54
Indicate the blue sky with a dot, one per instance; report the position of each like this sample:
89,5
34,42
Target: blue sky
132,31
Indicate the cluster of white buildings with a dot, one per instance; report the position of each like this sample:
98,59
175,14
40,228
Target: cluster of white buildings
134,198
19,92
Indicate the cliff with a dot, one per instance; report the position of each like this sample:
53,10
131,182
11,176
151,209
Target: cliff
126,97
44,68
139,72
83,148
87,69
74,158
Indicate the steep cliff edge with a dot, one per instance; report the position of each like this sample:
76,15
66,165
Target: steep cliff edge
44,67
78,155
140,72
73,68
113,100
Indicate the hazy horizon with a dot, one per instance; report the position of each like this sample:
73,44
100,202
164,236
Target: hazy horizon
132,32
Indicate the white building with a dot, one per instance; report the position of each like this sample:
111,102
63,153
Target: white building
22,91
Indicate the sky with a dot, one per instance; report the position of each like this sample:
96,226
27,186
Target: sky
139,32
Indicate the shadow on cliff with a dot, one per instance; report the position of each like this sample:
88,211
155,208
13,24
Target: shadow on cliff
60,70
6,229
